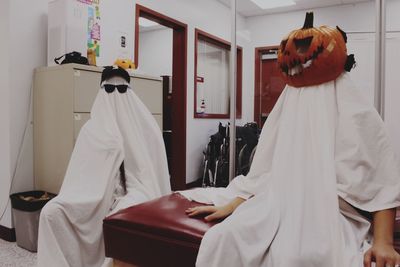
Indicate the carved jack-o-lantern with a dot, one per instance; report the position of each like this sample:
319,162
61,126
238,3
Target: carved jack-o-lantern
311,56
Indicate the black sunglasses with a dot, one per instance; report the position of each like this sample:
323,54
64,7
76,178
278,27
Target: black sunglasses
111,88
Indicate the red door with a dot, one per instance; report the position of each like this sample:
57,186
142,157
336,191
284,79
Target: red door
269,84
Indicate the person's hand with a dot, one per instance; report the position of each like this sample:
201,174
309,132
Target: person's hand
383,255
215,213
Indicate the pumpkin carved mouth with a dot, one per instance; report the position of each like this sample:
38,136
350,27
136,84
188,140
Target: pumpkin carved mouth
297,65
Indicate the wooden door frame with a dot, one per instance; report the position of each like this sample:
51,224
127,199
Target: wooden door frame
179,82
257,77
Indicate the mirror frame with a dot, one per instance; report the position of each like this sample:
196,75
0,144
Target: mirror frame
202,35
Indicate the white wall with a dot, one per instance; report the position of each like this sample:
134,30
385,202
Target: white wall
213,67
117,17
392,93
155,52
4,113
392,16
26,50
28,44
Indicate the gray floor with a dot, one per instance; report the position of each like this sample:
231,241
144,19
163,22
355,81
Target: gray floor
13,256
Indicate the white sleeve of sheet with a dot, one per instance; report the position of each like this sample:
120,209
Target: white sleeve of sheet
368,173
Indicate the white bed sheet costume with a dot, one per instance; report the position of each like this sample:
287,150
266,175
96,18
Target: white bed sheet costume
120,129
323,151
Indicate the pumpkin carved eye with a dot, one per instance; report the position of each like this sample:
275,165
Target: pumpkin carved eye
302,45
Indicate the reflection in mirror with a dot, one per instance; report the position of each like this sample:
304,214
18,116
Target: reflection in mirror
212,88
155,57
212,79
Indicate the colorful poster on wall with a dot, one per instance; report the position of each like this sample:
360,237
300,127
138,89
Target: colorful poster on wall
93,30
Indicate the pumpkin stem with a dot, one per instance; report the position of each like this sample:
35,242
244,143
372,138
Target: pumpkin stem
309,21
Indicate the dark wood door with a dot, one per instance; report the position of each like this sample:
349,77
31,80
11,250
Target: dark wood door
270,85
167,117
176,105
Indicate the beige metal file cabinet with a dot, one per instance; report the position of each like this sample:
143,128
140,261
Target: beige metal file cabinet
63,97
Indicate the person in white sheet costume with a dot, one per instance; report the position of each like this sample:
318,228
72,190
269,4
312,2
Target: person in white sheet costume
323,157
120,129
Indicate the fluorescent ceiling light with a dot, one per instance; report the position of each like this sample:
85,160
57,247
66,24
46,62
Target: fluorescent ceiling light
269,4
147,23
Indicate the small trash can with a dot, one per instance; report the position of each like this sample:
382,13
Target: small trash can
26,207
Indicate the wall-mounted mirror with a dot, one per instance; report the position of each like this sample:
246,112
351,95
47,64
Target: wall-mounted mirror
212,87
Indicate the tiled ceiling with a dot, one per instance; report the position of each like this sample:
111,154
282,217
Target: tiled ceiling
247,8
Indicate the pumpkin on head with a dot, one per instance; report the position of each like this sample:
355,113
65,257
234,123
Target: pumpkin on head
311,56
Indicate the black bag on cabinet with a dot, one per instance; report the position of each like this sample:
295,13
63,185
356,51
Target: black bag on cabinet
73,57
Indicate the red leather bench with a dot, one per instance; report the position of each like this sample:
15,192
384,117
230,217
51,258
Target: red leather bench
155,233
159,233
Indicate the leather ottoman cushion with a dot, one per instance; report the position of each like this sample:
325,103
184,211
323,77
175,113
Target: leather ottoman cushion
155,233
